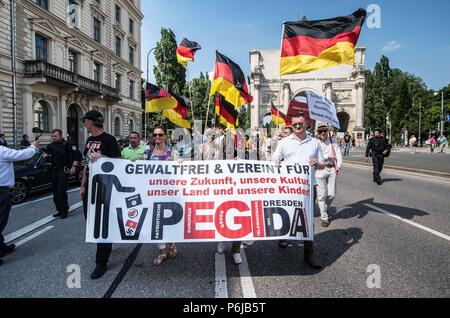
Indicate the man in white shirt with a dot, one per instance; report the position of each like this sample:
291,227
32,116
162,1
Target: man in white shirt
326,178
7,181
299,148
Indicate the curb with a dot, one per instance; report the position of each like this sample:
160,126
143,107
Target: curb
404,169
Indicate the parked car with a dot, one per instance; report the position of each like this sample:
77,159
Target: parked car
33,175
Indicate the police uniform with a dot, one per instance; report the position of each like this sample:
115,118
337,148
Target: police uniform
61,156
375,148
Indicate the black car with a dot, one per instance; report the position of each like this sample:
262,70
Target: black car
33,175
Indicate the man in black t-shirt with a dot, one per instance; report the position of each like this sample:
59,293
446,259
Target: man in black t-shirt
347,143
100,144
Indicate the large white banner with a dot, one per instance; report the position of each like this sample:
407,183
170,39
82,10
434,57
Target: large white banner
322,109
203,201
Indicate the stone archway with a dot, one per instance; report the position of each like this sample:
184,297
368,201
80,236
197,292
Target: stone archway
344,121
75,131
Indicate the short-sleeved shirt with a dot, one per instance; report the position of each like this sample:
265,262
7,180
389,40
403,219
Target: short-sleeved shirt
134,153
292,150
105,143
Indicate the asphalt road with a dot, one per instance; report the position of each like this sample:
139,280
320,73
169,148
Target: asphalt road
401,228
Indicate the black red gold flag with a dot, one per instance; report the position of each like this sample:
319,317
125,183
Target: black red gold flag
186,51
314,45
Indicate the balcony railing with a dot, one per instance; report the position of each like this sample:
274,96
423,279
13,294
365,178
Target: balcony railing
41,68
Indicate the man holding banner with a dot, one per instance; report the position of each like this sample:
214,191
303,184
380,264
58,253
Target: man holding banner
299,148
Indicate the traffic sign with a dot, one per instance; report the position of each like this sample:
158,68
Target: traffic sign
447,118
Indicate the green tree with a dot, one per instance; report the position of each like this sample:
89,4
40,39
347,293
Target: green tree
244,117
198,92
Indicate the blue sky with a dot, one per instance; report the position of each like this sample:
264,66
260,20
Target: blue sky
414,34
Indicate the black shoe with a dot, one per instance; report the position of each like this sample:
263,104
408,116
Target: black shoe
1,262
7,250
99,271
379,182
64,216
283,244
57,215
311,261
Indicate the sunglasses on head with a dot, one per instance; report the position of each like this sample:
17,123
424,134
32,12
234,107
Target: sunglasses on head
158,135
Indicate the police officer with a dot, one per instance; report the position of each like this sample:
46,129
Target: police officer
378,148
64,159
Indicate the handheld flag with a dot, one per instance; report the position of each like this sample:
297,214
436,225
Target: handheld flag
228,115
178,115
157,99
229,81
278,117
314,45
186,51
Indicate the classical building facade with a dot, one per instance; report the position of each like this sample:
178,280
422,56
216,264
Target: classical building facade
343,84
72,56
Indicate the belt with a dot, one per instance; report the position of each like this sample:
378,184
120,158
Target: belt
329,166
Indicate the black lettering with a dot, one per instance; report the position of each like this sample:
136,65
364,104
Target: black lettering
270,227
159,221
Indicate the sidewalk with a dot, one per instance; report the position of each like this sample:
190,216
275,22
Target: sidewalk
422,161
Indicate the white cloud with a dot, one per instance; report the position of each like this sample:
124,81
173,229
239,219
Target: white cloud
392,46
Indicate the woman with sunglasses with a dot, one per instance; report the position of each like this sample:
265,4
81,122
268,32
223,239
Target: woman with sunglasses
161,152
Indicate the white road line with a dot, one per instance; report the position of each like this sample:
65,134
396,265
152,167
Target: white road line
41,199
221,289
32,227
246,278
446,237
33,236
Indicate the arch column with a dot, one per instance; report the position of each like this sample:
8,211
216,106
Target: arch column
255,107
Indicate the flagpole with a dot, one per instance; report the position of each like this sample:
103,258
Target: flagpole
281,79
190,94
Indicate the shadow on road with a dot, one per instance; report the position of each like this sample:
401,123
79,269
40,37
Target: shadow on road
360,210
267,259
391,180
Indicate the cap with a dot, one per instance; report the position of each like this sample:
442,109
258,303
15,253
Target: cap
94,115
322,126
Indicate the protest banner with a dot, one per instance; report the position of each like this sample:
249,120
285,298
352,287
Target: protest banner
204,201
322,109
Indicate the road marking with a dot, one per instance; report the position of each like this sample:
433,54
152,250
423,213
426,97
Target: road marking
32,227
41,199
441,235
33,236
221,289
246,278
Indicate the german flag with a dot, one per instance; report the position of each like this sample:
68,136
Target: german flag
279,118
157,99
227,113
179,114
314,45
229,81
186,51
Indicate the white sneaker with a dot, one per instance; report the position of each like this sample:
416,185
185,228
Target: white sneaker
220,247
237,258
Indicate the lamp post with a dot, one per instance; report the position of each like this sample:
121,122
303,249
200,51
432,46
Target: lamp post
442,111
420,123
148,75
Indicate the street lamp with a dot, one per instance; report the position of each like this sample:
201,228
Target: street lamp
442,111
147,79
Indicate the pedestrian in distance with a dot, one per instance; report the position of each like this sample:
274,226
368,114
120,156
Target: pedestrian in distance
24,143
347,143
378,148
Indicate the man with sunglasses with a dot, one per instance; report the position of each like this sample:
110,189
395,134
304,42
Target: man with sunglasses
326,178
300,148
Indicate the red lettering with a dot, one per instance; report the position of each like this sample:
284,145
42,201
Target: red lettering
258,219
191,219
244,221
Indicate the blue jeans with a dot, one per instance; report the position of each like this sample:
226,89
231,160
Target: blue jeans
346,149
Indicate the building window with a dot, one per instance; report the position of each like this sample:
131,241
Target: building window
118,14
131,27
117,126
118,46
74,14
73,61
43,4
97,30
41,116
131,125
132,86
132,50
98,72
41,48
119,82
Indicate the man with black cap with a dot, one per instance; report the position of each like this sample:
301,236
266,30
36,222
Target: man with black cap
100,144
326,178
378,148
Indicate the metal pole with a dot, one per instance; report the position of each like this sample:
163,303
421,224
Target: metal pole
13,69
442,114
420,122
148,75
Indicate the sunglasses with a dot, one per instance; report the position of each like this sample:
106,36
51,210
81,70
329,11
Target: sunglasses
299,125
158,135
322,132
